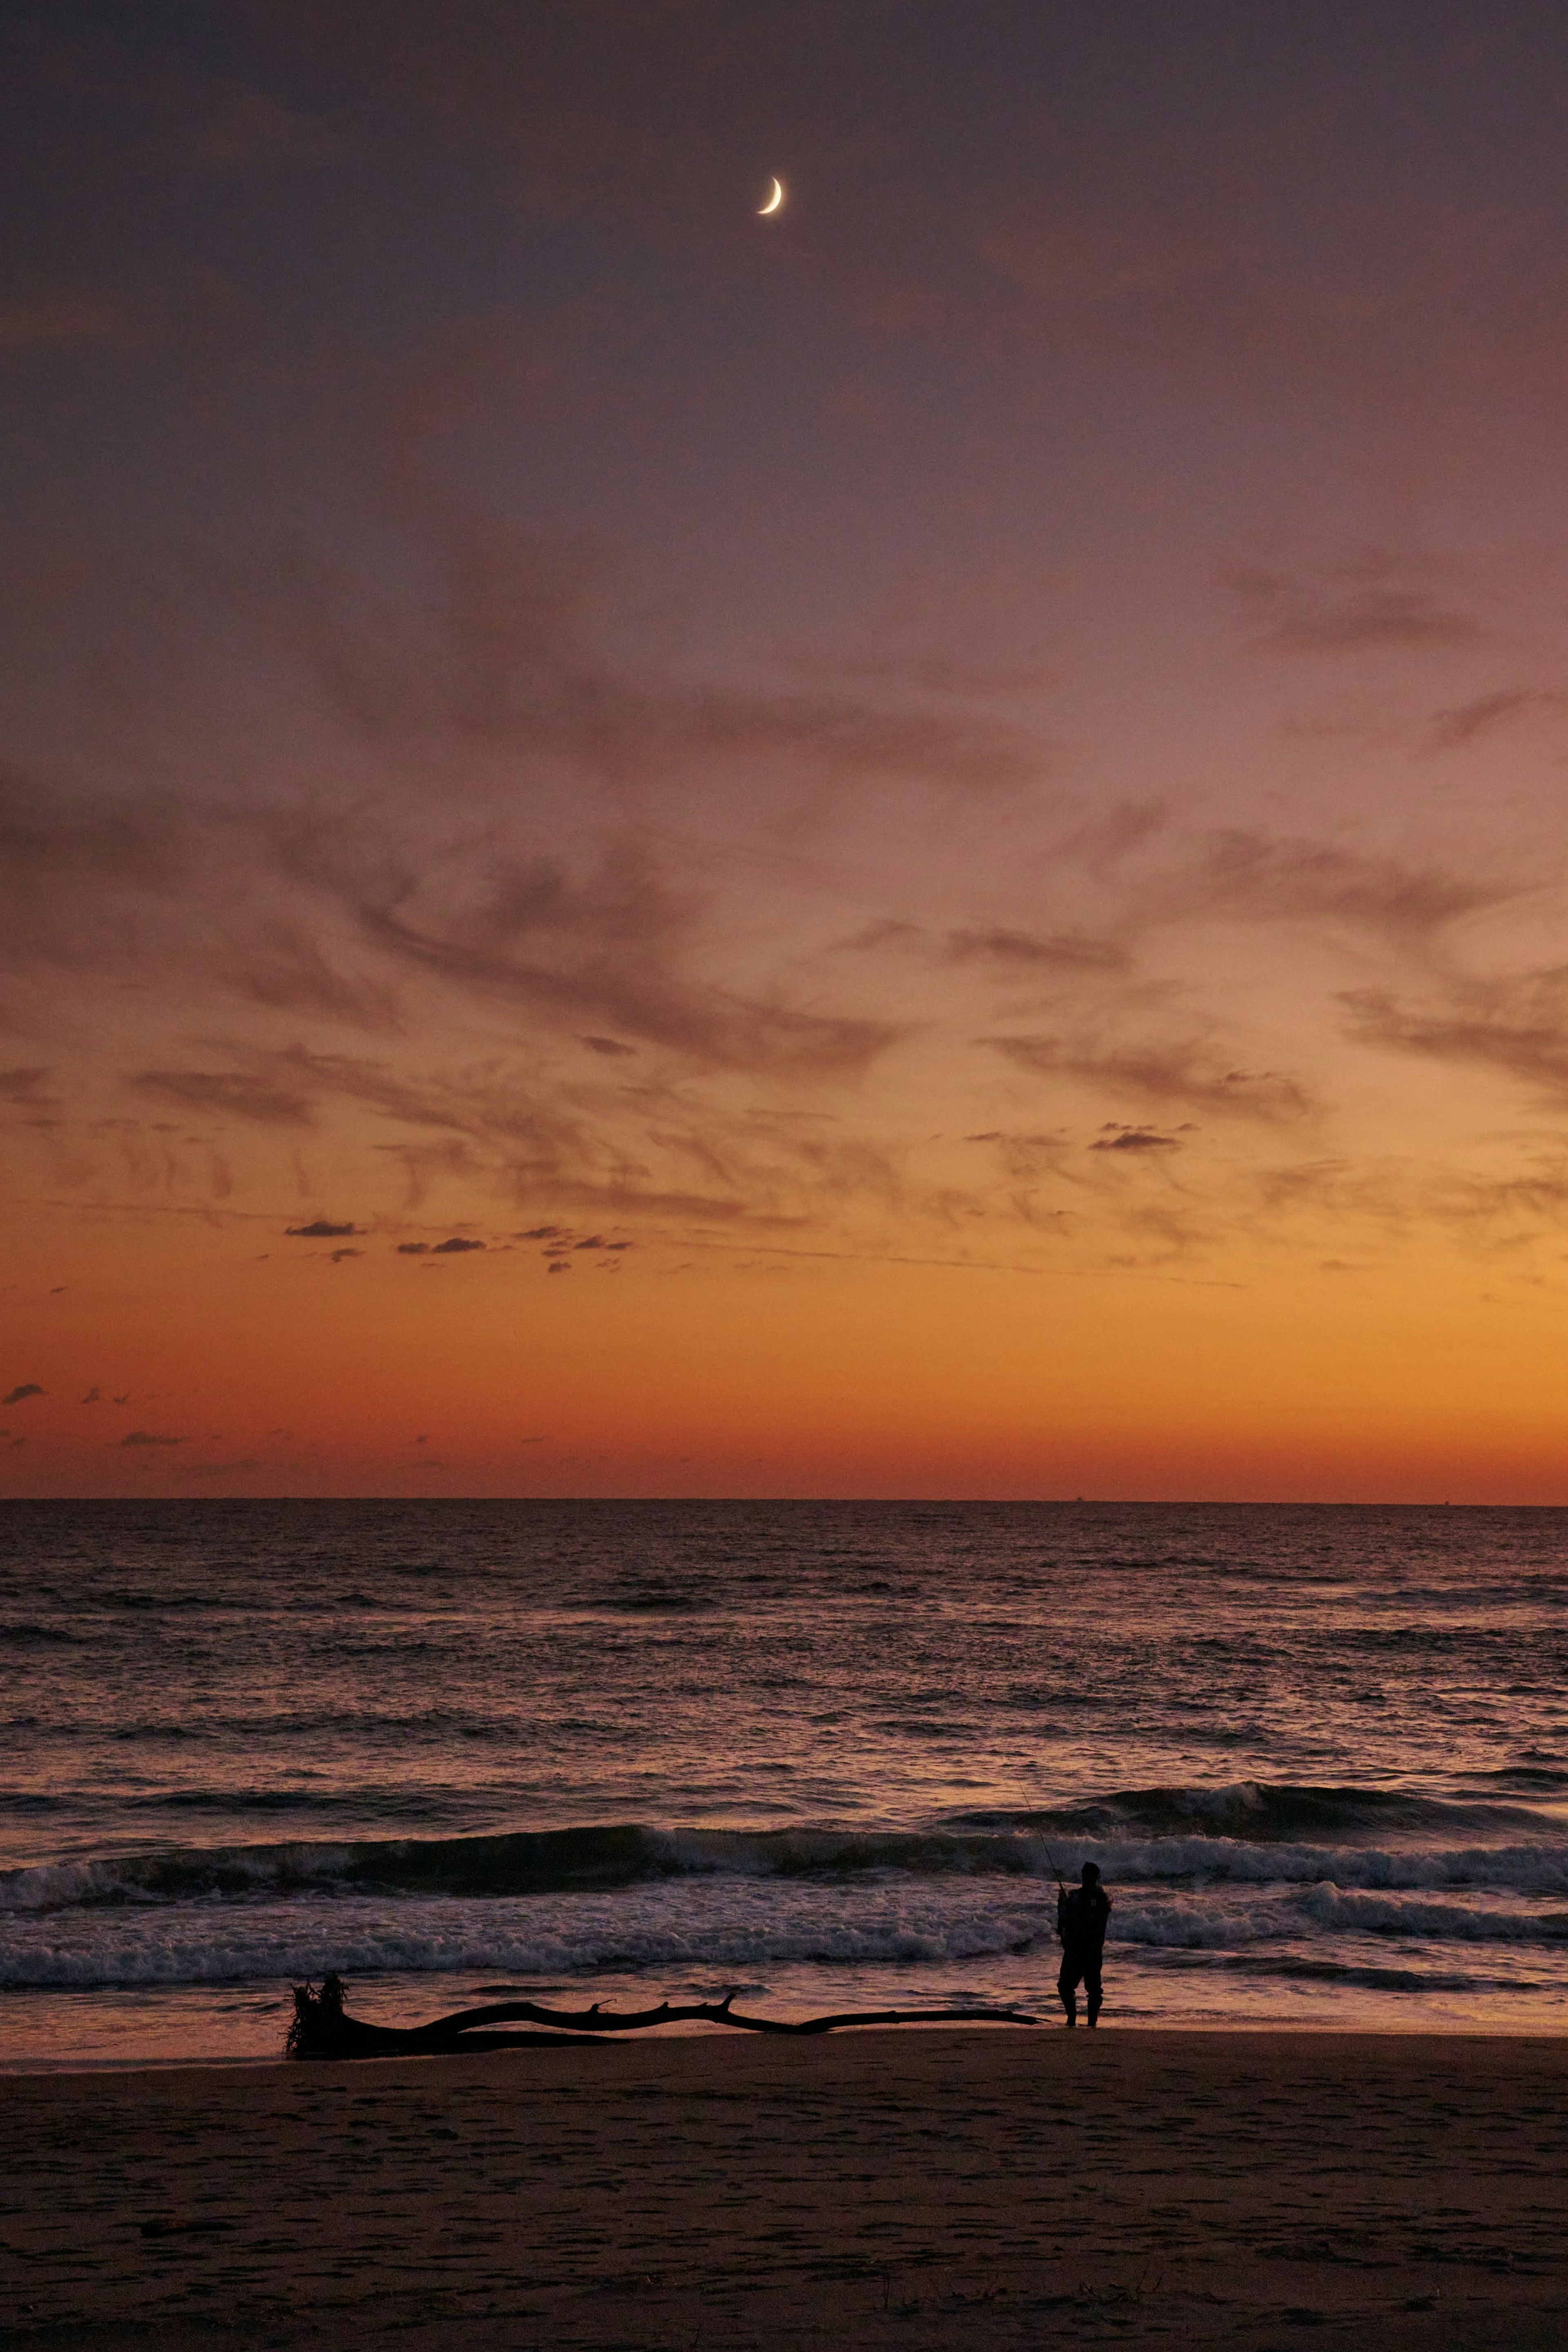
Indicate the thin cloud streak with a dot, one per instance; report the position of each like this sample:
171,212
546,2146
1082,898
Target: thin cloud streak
225,1095
1178,1072
1518,1033
1456,729
1023,951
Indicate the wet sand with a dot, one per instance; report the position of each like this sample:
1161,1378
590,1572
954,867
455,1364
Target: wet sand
908,2189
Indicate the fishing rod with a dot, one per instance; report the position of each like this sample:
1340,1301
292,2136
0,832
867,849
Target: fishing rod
1060,1880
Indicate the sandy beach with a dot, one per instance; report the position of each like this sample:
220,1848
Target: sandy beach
918,2189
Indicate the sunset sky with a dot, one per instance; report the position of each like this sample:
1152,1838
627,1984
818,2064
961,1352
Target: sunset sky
917,847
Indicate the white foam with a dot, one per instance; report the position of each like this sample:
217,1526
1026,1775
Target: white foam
728,1925
731,1924
1534,1869
61,1886
1332,1907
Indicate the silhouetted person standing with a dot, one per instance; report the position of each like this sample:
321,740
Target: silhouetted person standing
1081,1913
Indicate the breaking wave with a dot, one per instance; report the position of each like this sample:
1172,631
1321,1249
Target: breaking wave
744,1929
1263,1812
1209,1838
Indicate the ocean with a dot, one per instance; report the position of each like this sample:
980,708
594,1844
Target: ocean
826,1754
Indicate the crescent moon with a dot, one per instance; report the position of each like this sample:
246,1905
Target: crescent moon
774,201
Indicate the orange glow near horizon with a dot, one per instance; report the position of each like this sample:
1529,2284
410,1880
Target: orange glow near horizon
829,1375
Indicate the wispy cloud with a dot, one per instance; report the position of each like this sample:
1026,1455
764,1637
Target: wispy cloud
1519,1030
1135,1138
1027,951
1262,878
226,1093
70,865
335,906
998,947
1452,731
608,946
1176,1071
26,1088
280,966
505,658
1378,604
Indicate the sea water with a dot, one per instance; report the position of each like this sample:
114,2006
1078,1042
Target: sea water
827,1755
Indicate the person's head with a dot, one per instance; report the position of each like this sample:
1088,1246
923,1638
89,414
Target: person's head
1090,1873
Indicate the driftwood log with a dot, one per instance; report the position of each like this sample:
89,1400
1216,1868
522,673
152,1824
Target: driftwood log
322,2029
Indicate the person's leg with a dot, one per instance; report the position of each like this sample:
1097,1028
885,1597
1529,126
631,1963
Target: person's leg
1091,1986
1067,1986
